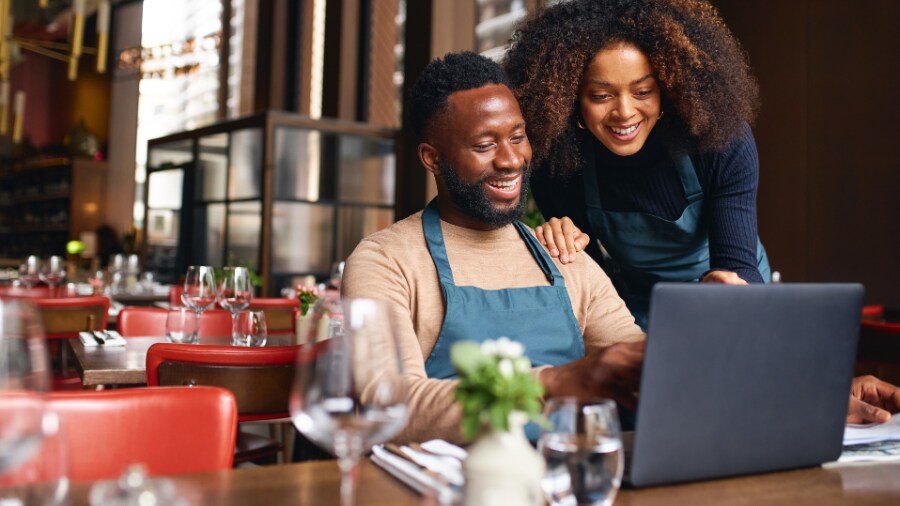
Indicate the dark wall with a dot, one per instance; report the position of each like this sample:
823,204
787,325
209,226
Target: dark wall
828,137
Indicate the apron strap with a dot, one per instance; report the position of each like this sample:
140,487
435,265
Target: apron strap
434,237
537,251
592,188
692,189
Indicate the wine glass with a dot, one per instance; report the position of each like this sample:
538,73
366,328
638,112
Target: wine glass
583,451
348,392
30,271
25,424
53,272
199,289
235,293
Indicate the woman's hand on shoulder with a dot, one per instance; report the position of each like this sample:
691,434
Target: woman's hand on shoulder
562,238
724,277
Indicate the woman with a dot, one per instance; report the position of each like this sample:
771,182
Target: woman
638,114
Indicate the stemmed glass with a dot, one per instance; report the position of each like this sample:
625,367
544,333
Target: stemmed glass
24,421
53,272
30,271
235,293
583,451
199,289
348,392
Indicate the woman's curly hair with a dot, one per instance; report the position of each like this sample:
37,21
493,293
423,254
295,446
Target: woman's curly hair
708,91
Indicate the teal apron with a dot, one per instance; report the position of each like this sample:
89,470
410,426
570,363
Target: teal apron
539,317
641,249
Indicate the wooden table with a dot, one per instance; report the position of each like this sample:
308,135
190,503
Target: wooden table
126,365
317,483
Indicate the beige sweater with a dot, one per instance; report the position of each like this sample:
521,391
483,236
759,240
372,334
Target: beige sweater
394,265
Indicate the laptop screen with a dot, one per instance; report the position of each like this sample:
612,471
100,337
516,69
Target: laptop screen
744,379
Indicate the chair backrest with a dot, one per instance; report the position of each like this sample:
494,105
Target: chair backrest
875,320
64,318
151,321
175,295
259,378
279,313
24,291
168,430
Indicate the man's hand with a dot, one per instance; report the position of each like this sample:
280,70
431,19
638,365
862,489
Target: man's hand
872,400
562,238
613,372
724,277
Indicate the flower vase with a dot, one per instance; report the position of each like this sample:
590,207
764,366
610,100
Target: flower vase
503,469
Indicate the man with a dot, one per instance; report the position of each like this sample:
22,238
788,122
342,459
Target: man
501,282
465,268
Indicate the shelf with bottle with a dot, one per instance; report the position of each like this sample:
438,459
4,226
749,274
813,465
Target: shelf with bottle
46,201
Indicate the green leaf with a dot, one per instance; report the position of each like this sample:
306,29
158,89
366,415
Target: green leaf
467,358
470,425
499,416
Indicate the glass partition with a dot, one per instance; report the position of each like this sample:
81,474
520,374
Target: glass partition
330,184
367,171
244,226
212,169
298,164
173,153
245,167
209,238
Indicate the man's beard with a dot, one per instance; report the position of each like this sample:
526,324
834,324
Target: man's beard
473,200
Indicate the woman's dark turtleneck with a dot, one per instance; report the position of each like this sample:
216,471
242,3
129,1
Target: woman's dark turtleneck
645,181
648,182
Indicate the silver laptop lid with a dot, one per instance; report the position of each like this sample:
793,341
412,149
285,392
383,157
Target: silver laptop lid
744,379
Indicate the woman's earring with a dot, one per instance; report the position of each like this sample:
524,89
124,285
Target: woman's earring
661,112
579,124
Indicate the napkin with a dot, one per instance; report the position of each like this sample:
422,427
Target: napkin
112,339
437,470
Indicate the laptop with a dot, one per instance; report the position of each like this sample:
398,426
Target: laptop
743,379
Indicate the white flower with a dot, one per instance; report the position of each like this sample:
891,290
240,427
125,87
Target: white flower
523,365
509,348
506,368
489,348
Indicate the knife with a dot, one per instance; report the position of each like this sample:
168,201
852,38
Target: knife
97,337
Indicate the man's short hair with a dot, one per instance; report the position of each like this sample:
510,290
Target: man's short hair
442,77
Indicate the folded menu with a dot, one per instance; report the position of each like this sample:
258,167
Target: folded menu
435,468
870,443
872,433
99,338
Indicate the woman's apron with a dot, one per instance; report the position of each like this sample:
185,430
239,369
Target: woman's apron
641,249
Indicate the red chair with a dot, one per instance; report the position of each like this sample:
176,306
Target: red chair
168,430
259,378
279,314
874,318
64,318
151,321
879,343
25,292
175,295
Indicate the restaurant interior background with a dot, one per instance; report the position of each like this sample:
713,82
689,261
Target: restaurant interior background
270,132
